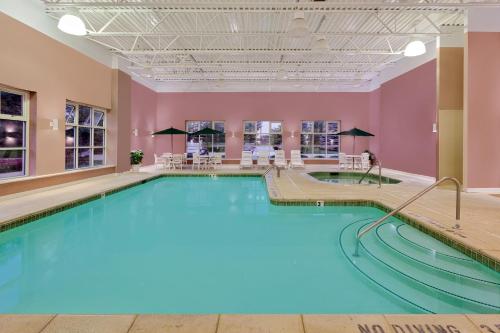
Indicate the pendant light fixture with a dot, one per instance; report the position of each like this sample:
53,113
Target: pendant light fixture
72,24
415,48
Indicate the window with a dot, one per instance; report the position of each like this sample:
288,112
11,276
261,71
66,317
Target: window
85,136
262,136
318,139
14,117
205,144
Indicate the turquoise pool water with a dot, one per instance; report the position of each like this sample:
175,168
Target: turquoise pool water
191,245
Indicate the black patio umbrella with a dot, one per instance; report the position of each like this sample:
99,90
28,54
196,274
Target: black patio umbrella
207,131
172,131
354,132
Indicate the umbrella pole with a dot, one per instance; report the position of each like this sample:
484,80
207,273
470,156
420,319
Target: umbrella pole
353,149
172,143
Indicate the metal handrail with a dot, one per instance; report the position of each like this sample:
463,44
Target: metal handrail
267,171
377,162
361,233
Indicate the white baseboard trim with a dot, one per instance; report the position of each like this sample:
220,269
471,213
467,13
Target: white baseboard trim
490,190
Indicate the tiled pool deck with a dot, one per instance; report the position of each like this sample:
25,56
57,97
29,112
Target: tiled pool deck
479,235
250,324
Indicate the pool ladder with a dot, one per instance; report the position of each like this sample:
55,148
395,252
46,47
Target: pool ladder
379,164
363,232
271,169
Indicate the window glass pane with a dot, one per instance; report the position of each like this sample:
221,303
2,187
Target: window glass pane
276,140
98,118
70,159
275,127
319,126
11,104
98,156
306,151
249,127
333,140
263,127
319,139
219,126
307,127
306,139
262,139
333,127
70,136
98,137
11,134
205,124
70,114
11,163
83,136
84,114
192,126
319,152
83,158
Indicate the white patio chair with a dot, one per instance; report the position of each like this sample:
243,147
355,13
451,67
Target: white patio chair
365,161
177,161
279,159
263,159
199,162
159,162
246,160
296,160
344,163
215,161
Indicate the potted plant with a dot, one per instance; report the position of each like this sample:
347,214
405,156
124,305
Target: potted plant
136,157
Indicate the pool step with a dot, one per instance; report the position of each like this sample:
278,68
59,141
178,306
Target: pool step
424,287
446,260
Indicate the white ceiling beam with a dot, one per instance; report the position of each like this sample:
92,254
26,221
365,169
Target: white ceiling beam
254,51
261,34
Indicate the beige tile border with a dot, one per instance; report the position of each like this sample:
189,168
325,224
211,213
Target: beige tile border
228,323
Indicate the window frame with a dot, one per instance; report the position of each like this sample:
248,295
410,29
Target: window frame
212,126
25,117
91,147
256,132
312,145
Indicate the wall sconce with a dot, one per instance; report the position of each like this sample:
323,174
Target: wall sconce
54,123
135,132
152,134
292,135
434,128
233,135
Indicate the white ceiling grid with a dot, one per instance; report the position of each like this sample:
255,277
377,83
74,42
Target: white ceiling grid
209,44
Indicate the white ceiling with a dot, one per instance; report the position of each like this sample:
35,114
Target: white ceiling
223,44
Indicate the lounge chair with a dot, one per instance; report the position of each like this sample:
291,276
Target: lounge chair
246,160
279,159
296,160
263,159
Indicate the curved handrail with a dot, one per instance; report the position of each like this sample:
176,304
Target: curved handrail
361,233
379,164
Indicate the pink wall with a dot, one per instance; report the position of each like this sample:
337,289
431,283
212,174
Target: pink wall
175,108
144,103
408,106
482,117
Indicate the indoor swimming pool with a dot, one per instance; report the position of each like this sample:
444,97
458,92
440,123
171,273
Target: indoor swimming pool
217,245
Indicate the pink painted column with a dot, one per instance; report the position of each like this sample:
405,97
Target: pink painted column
482,110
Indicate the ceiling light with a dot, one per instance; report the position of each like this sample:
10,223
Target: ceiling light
298,27
72,24
321,45
415,48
